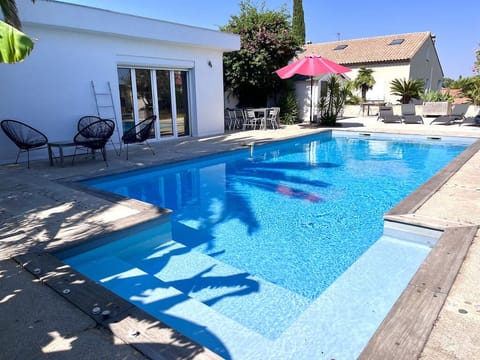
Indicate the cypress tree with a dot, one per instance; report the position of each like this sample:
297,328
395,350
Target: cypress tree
298,21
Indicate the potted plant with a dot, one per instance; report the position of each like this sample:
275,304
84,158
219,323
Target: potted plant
436,103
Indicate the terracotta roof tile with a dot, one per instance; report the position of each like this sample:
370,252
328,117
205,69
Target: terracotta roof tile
370,50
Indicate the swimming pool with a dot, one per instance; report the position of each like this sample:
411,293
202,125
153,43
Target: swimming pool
257,242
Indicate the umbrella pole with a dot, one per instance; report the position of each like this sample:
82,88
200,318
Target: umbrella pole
311,99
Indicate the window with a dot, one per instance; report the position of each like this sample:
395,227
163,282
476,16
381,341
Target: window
427,54
397,41
340,47
323,88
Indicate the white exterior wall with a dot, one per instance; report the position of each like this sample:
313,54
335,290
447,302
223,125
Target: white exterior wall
425,66
383,76
51,89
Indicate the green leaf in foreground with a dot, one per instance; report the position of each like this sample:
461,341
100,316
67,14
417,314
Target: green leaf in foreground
14,44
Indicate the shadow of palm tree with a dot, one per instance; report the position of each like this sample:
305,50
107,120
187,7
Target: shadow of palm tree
27,333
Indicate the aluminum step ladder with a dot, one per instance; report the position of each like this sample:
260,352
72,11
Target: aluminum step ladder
106,109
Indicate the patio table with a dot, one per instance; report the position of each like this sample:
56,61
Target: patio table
60,145
368,104
261,114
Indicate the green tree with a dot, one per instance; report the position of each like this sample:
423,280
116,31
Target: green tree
14,44
461,83
476,64
474,91
470,88
298,21
407,89
447,82
364,81
267,44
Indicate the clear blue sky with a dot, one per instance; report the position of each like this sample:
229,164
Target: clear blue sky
454,23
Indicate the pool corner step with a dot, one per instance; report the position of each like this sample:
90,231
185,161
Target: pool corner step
415,234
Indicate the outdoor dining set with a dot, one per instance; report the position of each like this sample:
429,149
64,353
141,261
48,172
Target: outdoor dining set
252,118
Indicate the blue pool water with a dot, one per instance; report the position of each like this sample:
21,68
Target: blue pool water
257,237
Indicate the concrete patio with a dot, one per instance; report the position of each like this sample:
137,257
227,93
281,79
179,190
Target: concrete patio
41,210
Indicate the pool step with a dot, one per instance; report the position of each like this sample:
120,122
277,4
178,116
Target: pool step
175,271
415,234
237,294
166,303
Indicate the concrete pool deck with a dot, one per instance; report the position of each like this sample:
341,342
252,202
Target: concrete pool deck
41,212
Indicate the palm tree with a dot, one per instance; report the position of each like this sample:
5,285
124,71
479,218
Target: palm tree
364,81
14,44
407,89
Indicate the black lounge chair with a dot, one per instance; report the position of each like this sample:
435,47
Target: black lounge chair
94,136
24,136
139,133
87,120
84,121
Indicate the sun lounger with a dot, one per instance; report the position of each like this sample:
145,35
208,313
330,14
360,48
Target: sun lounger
457,115
471,120
385,114
409,115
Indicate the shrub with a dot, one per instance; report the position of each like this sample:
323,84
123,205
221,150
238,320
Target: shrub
332,104
289,108
436,96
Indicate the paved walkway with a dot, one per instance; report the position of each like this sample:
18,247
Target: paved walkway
40,212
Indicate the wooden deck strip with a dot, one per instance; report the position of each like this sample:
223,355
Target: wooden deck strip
439,270
405,330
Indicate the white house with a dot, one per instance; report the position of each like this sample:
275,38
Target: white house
400,56
152,67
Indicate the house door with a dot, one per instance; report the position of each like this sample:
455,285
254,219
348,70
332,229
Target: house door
164,93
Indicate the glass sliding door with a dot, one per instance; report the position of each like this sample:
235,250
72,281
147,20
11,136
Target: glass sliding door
126,98
143,81
164,93
164,97
181,100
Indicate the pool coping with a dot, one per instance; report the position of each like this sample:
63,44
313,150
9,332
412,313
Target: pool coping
125,316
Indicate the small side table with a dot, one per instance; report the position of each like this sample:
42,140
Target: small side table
60,145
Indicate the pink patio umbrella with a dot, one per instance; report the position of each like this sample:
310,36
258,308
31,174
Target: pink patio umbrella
311,65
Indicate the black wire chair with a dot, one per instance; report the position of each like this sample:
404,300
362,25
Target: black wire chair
84,121
24,136
139,133
94,136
